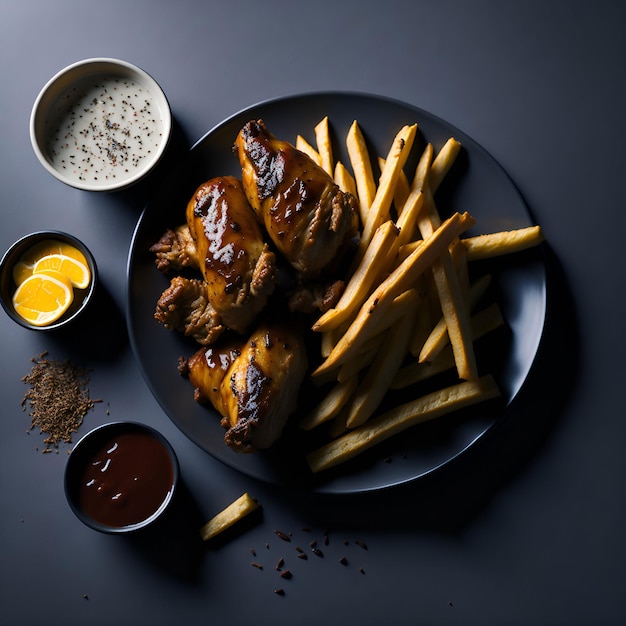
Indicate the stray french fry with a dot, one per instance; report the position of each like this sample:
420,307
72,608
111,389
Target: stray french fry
304,146
324,145
330,405
361,168
234,512
505,242
399,419
372,313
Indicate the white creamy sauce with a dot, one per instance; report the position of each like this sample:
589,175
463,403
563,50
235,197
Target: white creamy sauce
104,132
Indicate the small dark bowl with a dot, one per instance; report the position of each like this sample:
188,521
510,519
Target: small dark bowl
122,490
82,297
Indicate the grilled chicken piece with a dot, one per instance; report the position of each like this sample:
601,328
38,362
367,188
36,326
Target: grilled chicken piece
184,307
176,250
309,219
253,385
236,263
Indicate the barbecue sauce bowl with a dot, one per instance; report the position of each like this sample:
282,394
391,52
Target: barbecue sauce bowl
121,477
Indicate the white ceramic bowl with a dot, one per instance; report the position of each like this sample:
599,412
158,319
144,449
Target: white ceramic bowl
100,124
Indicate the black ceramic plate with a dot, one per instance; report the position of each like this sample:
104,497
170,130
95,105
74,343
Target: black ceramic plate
476,184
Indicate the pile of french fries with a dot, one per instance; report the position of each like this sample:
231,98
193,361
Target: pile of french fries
408,311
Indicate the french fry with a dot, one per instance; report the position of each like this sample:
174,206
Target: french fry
386,364
330,405
456,314
373,311
402,187
438,337
483,322
408,293
394,162
324,145
304,146
244,505
450,290
364,356
374,263
491,245
398,419
344,179
360,357
361,168
501,243
443,162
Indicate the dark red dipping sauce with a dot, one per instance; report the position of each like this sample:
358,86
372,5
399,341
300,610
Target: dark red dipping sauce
126,479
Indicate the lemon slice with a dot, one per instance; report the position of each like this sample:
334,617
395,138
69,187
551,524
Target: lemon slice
74,269
42,298
25,266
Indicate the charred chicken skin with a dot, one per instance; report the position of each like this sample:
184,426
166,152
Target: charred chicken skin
184,307
309,219
253,385
236,263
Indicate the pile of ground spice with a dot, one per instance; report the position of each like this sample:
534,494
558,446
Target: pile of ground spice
58,399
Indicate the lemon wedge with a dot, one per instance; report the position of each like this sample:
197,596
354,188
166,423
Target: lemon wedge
74,269
25,266
42,298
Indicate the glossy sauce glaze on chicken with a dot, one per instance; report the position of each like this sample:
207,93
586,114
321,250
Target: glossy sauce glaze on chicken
253,384
284,206
236,263
309,219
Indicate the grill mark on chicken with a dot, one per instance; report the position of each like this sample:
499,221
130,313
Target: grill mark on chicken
307,216
253,385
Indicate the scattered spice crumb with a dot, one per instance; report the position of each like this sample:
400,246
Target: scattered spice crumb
282,535
450,603
85,596
313,545
58,399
